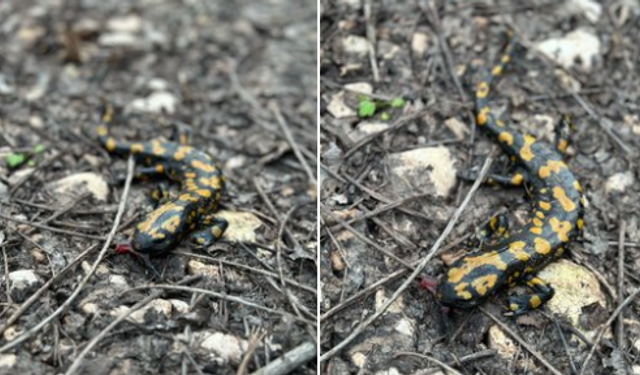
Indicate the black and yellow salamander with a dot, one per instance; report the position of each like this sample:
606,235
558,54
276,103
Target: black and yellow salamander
502,258
192,211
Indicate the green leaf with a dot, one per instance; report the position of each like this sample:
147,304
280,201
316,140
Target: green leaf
15,160
397,103
384,116
39,149
367,108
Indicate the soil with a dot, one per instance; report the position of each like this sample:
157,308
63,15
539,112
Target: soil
428,53
241,78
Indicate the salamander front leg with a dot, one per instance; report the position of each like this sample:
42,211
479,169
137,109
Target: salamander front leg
181,133
517,178
498,227
211,232
523,304
563,134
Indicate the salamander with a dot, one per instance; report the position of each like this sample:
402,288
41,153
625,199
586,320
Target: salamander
192,211
502,258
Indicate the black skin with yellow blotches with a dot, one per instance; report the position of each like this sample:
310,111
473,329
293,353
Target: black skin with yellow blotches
192,211
506,258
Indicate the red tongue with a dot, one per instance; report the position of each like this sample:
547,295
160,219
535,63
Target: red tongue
123,247
429,283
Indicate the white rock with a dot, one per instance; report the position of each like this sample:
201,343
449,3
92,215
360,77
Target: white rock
90,308
160,306
195,267
70,187
128,24
364,129
457,127
8,360
406,327
395,307
591,9
503,344
575,288
23,278
389,371
226,347
619,182
118,281
359,359
356,45
360,87
419,43
158,84
243,226
118,39
577,47
338,108
156,102
180,306
419,167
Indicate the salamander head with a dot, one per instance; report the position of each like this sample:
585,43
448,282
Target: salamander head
456,294
471,279
162,229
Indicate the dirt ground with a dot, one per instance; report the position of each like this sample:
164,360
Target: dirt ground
241,78
380,221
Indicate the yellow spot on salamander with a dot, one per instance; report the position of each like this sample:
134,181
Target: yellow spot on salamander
540,214
500,123
535,302
136,148
535,230
552,166
484,284
482,90
182,152
456,274
497,70
562,228
461,292
188,197
110,145
506,137
577,186
160,168
152,218
199,165
517,249
216,231
545,205
562,145
517,179
525,152
102,131
579,224
537,222
513,307
541,245
171,224
205,193
505,59
566,203
157,148
481,117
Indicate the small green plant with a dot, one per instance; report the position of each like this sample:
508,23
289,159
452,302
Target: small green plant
369,107
15,160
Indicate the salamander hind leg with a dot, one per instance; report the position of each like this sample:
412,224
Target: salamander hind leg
210,232
523,304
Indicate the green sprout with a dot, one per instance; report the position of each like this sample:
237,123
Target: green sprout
369,107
